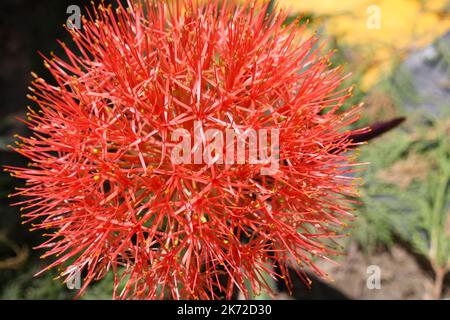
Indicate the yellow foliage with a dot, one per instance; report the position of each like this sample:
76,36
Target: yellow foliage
324,7
404,25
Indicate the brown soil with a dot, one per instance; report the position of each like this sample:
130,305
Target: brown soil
402,275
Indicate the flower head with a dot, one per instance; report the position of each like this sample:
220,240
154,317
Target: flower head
105,175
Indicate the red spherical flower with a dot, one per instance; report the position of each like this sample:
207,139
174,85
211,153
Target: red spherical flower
135,166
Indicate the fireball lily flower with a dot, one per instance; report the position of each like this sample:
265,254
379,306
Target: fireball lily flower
102,178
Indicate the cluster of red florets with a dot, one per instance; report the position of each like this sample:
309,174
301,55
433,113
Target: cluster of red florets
101,178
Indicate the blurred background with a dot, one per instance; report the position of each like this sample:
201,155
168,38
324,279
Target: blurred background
398,52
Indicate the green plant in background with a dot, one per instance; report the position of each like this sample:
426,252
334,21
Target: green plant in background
379,201
26,287
433,215
407,195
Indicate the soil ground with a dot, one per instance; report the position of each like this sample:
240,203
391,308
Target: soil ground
403,276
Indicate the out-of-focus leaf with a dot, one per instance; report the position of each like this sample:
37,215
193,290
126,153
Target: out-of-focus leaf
405,25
